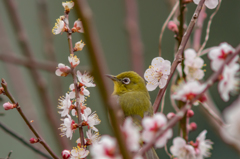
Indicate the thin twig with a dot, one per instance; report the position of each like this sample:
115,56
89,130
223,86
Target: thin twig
134,36
100,69
23,141
164,26
163,102
181,113
37,77
178,57
208,28
41,141
9,154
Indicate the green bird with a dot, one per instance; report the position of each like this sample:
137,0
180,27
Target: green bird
132,95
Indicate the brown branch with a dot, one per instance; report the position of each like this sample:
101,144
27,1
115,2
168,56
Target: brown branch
164,26
181,113
178,57
100,69
134,36
23,141
37,77
41,141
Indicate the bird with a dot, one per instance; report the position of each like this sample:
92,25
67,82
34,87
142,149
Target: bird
132,95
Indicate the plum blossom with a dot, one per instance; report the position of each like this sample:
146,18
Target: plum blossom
79,46
82,93
193,65
9,105
151,125
65,104
73,60
181,149
90,119
92,137
211,4
202,146
172,26
85,79
66,154
68,5
62,70
78,153
157,74
68,127
219,54
228,81
59,27
105,149
82,106
132,135
78,27
189,91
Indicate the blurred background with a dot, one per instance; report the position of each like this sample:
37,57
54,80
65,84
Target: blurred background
48,50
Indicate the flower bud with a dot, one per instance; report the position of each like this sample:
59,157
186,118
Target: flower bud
190,113
8,106
170,115
79,46
62,70
192,126
1,90
172,26
33,140
66,154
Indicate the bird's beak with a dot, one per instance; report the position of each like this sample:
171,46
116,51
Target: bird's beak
114,78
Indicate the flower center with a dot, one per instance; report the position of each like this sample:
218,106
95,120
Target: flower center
223,55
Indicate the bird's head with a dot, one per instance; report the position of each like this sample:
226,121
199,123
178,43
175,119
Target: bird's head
127,82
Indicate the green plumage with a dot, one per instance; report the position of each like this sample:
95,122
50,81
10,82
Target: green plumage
133,97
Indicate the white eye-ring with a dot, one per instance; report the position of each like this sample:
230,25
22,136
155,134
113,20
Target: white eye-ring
126,80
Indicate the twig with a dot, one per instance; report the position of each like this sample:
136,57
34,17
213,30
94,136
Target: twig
37,77
212,114
41,141
208,28
164,26
178,57
9,154
100,69
198,30
181,113
23,141
163,102
134,36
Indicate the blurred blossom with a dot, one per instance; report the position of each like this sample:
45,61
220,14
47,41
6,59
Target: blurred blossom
59,27
219,54
82,106
85,79
92,137
193,65
64,104
66,154
78,153
105,149
73,60
68,5
211,4
91,119
9,105
78,27
79,46
172,26
202,146
68,127
62,70
151,125
157,74
132,135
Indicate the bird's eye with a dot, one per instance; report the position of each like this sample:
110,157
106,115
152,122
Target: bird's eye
126,80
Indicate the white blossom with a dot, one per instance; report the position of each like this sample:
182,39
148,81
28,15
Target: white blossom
193,65
182,150
82,93
219,54
132,135
92,137
203,146
211,4
151,126
157,74
68,5
228,81
91,119
85,79
78,153
68,127
78,27
73,60
62,70
59,27
65,104
105,149
79,46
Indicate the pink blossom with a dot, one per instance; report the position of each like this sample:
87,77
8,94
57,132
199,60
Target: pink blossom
78,27
62,70
172,26
8,106
33,140
151,125
66,154
211,4
157,74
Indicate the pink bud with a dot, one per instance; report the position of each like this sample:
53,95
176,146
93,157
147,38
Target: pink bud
1,90
192,126
172,26
190,113
170,115
8,106
33,140
66,154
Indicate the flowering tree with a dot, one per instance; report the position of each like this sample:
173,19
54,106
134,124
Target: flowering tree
184,74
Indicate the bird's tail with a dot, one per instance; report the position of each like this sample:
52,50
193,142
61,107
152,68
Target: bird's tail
151,154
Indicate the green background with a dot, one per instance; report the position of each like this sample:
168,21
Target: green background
109,17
